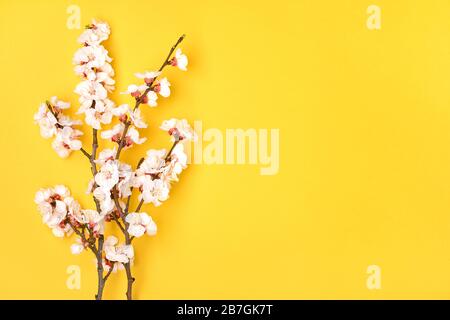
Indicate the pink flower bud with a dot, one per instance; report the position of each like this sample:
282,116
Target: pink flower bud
123,118
173,62
128,141
116,138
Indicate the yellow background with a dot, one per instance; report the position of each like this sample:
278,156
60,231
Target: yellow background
364,119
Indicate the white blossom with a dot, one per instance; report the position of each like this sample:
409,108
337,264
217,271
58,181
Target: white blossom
179,129
46,121
137,91
121,110
95,118
89,57
151,99
108,175
153,190
54,204
53,123
153,162
124,110
113,134
66,141
92,64
77,247
180,60
148,76
105,155
91,218
95,33
163,87
137,120
61,231
66,121
126,179
90,91
117,253
59,104
140,223
133,137
104,197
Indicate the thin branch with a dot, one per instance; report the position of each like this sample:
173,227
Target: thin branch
124,229
171,149
94,151
171,52
92,158
139,205
127,206
50,108
118,223
101,281
85,153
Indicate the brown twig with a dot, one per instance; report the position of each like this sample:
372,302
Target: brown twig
121,214
118,223
139,205
171,149
127,206
130,281
50,108
85,153
101,280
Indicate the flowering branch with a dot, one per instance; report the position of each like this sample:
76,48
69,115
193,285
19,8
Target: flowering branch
113,180
149,88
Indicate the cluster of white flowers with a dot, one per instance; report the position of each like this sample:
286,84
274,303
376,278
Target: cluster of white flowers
55,204
53,123
153,177
113,175
140,223
116,254
61,212
93,65
113,181
155,174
